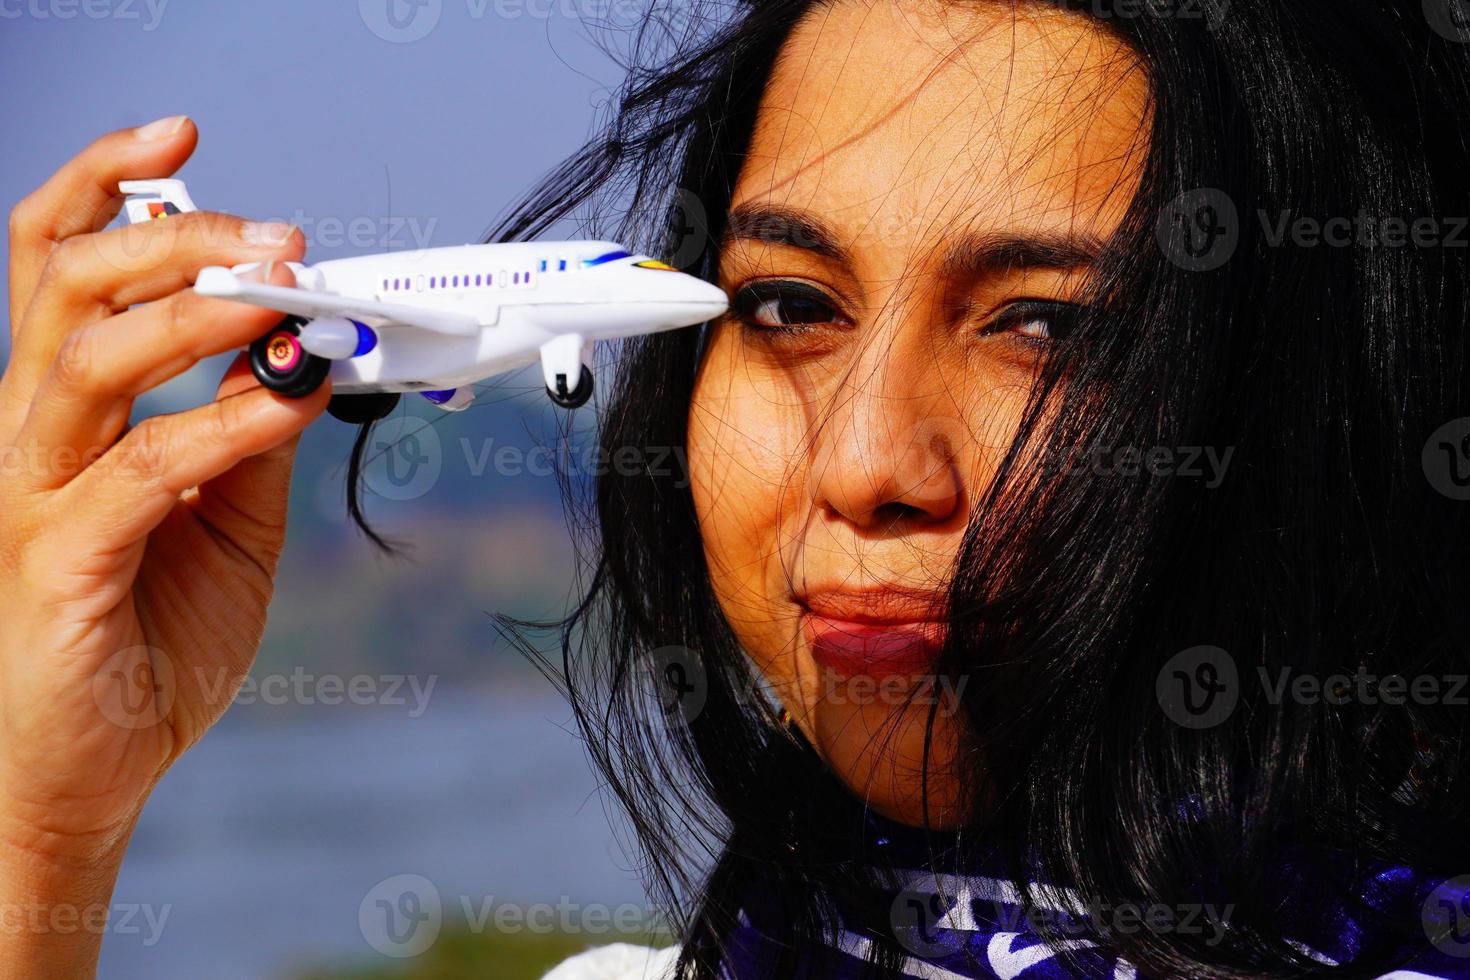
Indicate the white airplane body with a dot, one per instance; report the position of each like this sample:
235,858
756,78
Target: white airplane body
437,320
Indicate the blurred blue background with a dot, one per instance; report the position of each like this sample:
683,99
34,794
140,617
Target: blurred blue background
448,758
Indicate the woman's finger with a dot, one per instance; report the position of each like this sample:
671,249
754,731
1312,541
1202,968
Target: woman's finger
82,196
110,271
84,401
90,277
122,497
248,503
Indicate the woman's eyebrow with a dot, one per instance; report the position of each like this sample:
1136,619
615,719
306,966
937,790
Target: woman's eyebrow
986,254
975,255
778,225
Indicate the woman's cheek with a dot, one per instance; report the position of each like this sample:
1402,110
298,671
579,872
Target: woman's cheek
746,474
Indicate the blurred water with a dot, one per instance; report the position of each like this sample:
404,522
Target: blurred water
261,844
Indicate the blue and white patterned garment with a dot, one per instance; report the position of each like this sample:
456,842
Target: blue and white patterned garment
973,926
957,927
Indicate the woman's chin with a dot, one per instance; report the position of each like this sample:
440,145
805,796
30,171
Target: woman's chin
878,751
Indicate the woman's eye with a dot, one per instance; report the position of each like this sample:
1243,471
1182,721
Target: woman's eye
1036,320
775,305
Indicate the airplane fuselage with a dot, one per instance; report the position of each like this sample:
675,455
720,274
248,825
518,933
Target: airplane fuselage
522,294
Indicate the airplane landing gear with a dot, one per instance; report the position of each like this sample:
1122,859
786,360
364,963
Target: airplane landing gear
361,409
575,398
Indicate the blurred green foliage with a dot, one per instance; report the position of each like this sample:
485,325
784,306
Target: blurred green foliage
466,955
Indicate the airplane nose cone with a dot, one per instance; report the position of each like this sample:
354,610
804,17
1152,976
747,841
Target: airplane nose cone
706,301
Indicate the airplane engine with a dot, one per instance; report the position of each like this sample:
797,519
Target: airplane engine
338,338
281,363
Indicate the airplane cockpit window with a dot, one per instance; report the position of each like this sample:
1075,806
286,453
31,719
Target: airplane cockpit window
604,259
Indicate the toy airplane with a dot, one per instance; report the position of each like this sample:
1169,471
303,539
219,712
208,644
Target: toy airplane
437,320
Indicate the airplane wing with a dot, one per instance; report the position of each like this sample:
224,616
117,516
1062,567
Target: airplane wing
220,282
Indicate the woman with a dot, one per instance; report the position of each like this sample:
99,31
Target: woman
1070,487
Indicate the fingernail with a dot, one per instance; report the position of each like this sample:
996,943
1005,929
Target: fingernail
266,232
160,129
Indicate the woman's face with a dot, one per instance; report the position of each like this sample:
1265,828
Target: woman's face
925,193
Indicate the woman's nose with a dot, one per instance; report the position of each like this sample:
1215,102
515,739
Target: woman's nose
886,454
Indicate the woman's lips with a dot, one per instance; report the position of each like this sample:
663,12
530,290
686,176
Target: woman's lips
873,649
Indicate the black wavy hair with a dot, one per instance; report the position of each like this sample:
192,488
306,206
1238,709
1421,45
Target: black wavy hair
1325,550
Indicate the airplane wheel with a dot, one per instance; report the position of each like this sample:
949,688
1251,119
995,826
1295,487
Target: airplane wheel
361,409
283,365
575,398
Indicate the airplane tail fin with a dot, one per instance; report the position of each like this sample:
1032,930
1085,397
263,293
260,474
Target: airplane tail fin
149,200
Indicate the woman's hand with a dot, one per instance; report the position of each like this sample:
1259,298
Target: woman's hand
135,564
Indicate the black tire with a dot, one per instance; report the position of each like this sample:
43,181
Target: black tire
362,409
575,398
301,376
